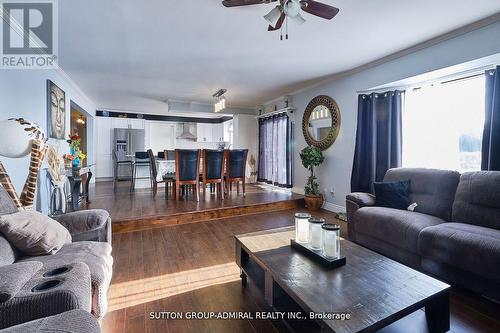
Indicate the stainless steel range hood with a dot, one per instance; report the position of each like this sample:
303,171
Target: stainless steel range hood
186,134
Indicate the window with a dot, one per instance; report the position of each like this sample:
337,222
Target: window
275,150
443,125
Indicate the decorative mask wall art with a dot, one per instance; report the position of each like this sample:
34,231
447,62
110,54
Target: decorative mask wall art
56,111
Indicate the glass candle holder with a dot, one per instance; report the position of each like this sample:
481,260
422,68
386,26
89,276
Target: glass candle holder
302,227
331,241
315,233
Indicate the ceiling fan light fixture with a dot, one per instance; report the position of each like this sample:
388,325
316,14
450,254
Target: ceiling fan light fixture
291,8
299,19
273,16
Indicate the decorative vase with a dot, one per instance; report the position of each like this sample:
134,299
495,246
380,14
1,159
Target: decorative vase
313,202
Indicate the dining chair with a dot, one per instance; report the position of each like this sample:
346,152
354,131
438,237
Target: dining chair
169,155
142,160
213,170
236,163
167,179
187,170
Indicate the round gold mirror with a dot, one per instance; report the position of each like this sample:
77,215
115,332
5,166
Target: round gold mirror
321,122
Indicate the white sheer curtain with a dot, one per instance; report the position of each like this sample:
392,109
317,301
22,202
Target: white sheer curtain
275,150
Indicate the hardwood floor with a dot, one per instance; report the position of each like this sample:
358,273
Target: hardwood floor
124,205
190,267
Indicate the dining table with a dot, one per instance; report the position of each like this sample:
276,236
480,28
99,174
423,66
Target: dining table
165,168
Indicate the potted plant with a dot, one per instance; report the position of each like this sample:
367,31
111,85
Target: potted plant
312,157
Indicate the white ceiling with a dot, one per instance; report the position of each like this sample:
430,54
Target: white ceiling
134,55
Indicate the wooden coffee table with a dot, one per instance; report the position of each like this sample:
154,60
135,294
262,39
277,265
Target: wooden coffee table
373,290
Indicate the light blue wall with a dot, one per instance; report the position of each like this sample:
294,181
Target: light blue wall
336,171
23,94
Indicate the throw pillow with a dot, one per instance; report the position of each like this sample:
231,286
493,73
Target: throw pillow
14,277
34,233
393,194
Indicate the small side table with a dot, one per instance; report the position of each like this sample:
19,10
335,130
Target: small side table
75,177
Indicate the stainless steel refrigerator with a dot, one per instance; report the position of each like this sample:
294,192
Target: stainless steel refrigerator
128,141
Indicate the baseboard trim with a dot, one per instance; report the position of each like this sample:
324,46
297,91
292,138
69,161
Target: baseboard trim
333,207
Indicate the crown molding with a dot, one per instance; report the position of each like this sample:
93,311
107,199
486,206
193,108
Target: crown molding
399,54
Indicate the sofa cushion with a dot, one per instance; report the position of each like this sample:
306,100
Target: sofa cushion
467,247
400,228
7,205
97,256
83,220
8,253
433,190
74,321
14,277
478,199
34,233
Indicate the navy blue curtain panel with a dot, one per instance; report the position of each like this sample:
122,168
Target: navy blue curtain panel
378,138
490,159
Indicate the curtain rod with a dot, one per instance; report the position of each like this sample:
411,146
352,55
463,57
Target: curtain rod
274,113
467,74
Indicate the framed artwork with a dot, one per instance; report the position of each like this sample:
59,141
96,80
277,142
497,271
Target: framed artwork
56,111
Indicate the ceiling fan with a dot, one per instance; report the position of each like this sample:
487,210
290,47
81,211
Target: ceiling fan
288,9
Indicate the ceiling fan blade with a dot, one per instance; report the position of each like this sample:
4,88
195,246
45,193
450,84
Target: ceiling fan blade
278,24
319,9
236,3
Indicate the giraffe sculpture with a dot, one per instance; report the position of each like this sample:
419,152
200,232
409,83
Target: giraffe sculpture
18,138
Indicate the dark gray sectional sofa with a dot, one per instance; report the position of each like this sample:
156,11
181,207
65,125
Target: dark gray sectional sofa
453,234
75,278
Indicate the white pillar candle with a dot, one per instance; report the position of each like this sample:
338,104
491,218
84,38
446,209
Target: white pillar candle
331,241
315,233
302,227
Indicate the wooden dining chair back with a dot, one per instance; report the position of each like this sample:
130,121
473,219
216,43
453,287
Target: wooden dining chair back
213,170
236,163
169,155
154,175
187,170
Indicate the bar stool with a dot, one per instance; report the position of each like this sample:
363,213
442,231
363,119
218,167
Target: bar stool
120,162
142,160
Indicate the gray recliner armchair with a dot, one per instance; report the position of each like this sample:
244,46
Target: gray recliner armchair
76,277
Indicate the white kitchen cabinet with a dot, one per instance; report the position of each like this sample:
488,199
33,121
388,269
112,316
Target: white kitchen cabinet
217,132
128,123
104,135
137,123
203,132
227,127
104,166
